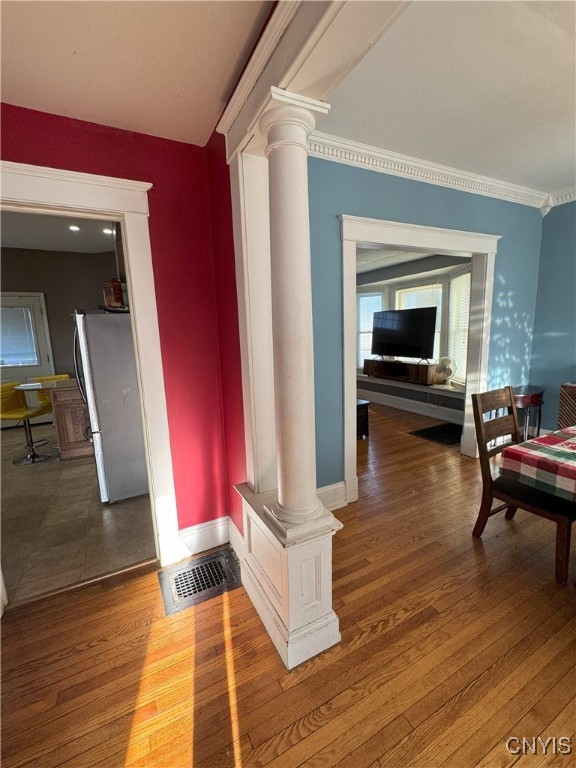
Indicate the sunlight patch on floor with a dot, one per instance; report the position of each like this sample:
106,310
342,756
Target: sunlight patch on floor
231,677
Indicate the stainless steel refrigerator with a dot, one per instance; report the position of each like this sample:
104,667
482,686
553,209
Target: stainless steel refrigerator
106,372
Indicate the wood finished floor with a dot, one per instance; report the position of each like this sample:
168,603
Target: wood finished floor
449,647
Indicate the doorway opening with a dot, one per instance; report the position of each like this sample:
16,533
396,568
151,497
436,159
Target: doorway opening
35,189
62,533
479,248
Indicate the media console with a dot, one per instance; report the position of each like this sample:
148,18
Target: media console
413,373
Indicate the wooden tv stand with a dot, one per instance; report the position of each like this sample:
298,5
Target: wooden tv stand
414,373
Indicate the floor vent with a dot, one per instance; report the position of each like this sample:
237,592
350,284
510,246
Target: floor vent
198,579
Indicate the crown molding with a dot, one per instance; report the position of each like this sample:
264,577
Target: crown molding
281,18
363,156
563,196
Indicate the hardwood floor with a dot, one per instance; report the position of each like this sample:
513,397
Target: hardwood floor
450,646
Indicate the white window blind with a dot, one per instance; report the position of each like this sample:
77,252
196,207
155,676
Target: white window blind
423,296
367,305
18,343
458,320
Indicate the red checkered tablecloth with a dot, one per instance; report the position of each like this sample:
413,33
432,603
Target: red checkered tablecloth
546,463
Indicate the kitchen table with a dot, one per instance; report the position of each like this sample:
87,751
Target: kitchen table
546,463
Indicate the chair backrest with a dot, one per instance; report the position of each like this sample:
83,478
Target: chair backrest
11,399
496,421
44,397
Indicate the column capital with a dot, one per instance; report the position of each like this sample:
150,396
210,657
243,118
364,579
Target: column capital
295,115
280,96
287,124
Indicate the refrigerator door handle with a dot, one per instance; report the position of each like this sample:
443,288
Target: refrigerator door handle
77,370
84,371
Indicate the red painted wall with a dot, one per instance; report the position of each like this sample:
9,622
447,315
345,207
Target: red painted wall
182,221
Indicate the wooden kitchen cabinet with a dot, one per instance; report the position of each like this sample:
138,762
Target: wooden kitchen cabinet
72,423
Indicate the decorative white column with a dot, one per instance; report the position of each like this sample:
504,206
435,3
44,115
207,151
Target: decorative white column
286,128
286,556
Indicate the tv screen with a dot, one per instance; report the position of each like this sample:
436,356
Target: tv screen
404,332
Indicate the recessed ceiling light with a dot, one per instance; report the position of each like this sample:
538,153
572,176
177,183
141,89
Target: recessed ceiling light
74,228
108,231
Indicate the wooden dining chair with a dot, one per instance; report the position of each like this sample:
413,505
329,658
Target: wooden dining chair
497,426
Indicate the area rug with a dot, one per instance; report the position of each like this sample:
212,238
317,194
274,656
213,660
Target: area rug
445,434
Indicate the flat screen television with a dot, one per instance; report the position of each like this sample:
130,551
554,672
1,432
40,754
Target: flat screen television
404,333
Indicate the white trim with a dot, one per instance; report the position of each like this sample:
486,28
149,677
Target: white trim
482,249
237,541
249,189
272,34
349,354
61,174
359,228
340,150
333,496
43,190
481,292
281,96
199,538
563,196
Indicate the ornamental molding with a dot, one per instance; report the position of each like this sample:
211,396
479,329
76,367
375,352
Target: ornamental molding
383,161
564,196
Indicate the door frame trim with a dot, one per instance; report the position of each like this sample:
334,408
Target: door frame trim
481,248
35,189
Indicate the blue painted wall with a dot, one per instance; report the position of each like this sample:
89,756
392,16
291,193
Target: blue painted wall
336,189
554,347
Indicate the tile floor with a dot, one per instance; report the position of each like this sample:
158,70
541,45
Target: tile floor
55,530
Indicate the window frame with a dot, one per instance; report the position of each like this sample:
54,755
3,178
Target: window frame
467,269
366,290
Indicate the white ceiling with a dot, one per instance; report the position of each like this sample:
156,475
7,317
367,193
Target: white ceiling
483,87
375,256
162,68
42,232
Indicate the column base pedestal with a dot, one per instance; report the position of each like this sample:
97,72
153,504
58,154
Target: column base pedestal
288,532
287,573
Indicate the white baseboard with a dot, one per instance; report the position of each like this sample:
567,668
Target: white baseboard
237,541
199,538
333,496
414,406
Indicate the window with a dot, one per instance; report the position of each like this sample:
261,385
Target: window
458,317
423,296
367,304
18,342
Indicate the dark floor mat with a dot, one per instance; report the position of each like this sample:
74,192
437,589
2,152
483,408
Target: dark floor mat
445,434
198,579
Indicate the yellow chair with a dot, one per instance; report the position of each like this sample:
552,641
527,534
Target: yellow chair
13,407
44,398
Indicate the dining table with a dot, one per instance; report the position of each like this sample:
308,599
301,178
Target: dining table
546,463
